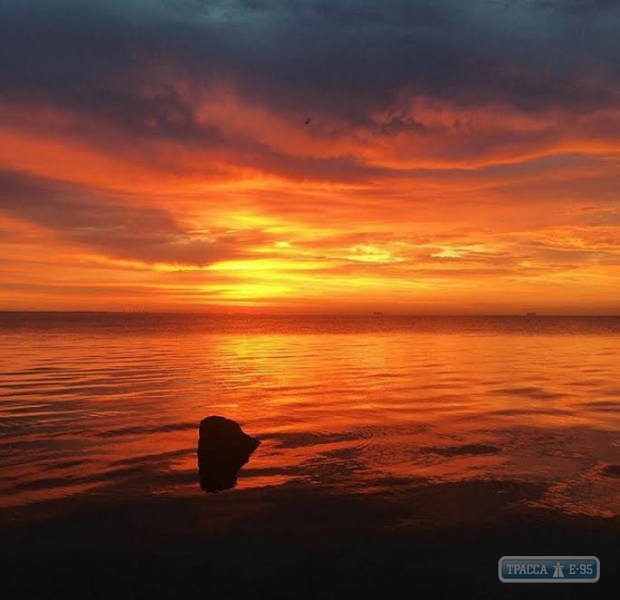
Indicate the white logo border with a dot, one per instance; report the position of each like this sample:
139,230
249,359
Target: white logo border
550,579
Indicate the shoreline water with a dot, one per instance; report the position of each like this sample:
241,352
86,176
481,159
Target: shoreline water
300,541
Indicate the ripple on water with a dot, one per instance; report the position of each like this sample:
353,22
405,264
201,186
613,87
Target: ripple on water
364,408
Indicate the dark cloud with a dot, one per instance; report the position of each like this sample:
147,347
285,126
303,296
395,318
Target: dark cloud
579,6
144,68
336,57
116,229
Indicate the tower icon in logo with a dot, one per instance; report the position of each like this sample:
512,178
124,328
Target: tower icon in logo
559,571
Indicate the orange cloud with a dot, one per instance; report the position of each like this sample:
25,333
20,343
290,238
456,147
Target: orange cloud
428,206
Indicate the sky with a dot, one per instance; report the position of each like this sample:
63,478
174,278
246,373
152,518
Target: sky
406,156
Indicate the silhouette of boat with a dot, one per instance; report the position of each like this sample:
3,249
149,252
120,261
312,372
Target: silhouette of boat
377,312
530,314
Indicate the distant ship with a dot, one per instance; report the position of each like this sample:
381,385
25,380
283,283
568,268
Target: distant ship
377,312
530,314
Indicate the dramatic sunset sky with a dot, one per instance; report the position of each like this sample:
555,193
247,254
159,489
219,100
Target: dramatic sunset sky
461,156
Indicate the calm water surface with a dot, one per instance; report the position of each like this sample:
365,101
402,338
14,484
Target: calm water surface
106,404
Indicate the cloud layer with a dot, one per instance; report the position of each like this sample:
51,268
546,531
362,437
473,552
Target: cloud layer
457,156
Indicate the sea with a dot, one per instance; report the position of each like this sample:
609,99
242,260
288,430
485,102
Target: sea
377,421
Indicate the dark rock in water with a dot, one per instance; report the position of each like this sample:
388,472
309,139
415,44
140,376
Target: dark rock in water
223,449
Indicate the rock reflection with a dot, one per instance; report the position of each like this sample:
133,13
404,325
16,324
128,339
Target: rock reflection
223,448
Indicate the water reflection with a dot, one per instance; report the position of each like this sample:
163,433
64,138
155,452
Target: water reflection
348,404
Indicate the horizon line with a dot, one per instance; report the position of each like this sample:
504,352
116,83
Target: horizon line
302,314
